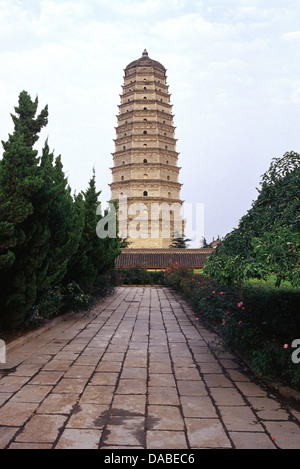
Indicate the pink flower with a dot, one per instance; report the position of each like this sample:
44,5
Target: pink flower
221,293
227,313
240,304
213,292
240,322
285,345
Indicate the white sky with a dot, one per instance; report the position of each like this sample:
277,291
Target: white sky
233,71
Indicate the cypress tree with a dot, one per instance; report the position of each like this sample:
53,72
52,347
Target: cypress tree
95,256
47,238
109,249
179,242
83,268
22,236
62,221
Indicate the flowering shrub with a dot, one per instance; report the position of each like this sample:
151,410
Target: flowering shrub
74,298
49,306
257,321
103,285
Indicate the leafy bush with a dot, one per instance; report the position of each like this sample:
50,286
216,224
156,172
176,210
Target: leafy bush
258,321
267,239
51,303
71,298
74,298
103,285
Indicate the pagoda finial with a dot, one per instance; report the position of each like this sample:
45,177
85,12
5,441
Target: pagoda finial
145,53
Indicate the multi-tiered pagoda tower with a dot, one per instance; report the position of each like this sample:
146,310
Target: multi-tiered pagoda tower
145,171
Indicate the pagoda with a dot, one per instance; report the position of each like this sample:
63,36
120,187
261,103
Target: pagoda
145,162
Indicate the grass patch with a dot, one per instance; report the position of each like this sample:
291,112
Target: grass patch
270,281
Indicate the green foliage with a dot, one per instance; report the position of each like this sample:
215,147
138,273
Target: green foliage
109,248
179,242
83,266
25,123
22,236
50,304
255,320
61,219
74,298
124,243
103,285
139,275
94,256
46,235
267,239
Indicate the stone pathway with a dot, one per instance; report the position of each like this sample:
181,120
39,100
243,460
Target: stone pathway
137,372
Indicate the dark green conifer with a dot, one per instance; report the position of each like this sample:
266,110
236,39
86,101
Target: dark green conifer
84,266
179,241
22,237
95,255
61,220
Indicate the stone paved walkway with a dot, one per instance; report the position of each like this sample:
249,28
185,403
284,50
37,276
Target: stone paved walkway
137,372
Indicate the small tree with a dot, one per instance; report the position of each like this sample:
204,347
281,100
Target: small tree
267,239
203,243
124,243
179,242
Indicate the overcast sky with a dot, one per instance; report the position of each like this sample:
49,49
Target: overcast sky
233,70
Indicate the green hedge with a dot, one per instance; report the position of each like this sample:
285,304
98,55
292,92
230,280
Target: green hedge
139,276
258,321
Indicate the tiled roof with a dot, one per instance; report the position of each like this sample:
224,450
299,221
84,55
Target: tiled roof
162,258
145,61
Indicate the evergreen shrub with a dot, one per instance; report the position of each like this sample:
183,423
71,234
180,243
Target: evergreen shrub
51,259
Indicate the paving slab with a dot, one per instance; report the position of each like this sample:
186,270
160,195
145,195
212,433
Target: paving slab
138,371
166,440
